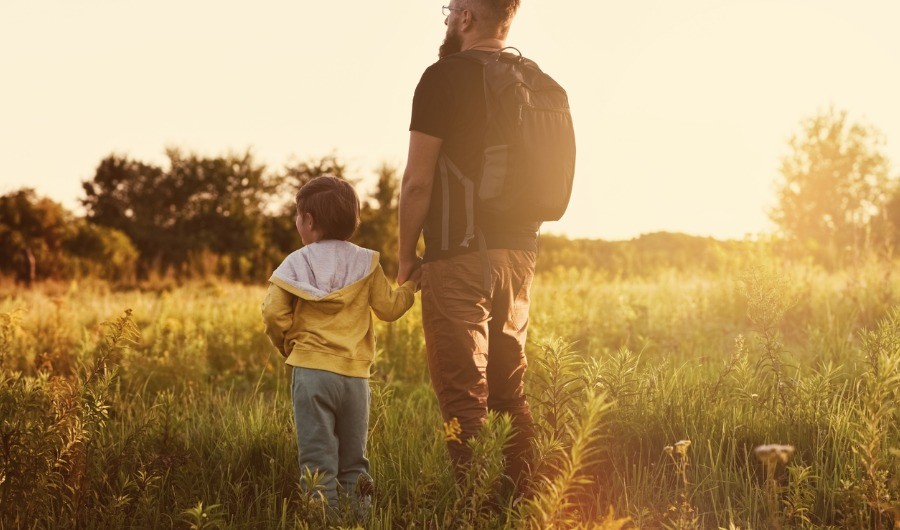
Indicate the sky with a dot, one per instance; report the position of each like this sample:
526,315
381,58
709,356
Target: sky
682,110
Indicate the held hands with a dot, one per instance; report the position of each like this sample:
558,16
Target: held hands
417,277
409,269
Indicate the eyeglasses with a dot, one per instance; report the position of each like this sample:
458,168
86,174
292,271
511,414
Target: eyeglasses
447,9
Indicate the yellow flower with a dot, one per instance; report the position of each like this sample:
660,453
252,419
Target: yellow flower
452,431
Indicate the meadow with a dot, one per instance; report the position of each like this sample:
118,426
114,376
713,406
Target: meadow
761,396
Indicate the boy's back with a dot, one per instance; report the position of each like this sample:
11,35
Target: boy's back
318,304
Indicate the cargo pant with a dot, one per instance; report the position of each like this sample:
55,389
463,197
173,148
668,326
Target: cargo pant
476,345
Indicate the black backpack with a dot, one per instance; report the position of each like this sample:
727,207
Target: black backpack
529,145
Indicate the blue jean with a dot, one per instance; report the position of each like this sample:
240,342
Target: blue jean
331,414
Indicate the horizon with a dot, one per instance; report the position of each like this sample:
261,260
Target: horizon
681,112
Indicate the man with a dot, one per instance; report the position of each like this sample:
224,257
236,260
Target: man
475,291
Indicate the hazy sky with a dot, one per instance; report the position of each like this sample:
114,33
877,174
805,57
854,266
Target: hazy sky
682,109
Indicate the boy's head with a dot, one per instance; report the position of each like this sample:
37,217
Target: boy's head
330,206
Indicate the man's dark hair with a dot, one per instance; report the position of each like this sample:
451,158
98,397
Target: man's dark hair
333,204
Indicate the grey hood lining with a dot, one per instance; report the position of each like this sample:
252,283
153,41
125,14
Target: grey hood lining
322,268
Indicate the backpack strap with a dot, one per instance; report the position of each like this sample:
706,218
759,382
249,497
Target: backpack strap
445,203
485,59
447,166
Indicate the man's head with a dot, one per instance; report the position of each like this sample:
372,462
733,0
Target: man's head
470,21
327,208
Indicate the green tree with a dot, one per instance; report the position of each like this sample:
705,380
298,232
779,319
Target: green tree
32,233
295,175
834,182
39,239
378,219
219,208
198,205
101,252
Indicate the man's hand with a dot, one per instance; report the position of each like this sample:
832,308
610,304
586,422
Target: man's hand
417,277
407,269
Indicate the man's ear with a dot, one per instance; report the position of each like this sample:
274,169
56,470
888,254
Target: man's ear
468,21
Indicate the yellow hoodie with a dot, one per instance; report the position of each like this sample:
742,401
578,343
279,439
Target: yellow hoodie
316,310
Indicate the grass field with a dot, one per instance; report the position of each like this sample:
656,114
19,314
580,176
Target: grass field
170,409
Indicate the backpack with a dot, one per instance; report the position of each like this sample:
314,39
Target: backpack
529,146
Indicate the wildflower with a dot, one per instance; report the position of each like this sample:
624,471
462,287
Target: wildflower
774,452
785,452
770,455
668,450
452,431
681,446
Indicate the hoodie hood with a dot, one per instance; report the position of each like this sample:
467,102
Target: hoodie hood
325,272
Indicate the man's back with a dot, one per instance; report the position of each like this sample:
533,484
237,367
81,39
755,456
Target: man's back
449,103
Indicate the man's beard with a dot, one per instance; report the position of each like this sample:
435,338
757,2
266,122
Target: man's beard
452,44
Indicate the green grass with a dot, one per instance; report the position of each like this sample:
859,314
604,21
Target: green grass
177,414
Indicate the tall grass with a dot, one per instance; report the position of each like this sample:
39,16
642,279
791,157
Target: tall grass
170,409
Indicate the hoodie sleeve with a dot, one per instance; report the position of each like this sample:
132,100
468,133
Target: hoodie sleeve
390,304
278,315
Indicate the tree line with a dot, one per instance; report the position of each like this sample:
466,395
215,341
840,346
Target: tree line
196,216
231,216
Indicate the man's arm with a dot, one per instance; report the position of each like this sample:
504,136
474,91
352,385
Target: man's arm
415,197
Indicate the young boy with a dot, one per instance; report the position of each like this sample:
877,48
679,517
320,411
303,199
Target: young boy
317,315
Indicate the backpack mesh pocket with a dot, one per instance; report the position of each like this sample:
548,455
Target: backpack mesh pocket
494,171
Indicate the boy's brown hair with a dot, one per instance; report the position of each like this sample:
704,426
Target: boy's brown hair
333,204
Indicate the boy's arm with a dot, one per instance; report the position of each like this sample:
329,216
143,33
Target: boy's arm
278,315
388,303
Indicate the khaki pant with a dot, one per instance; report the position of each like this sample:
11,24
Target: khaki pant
476,345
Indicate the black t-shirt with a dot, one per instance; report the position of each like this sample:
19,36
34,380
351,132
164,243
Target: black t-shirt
449,104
